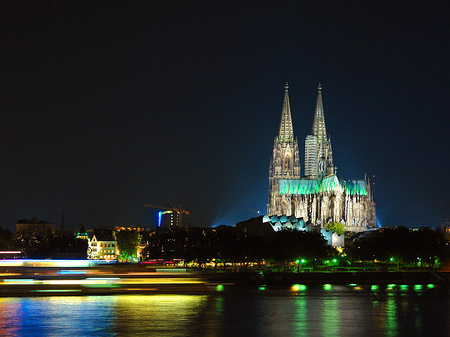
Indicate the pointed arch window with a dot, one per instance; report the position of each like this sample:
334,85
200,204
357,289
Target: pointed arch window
293,207
287,162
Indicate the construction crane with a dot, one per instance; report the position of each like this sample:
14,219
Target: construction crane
180,211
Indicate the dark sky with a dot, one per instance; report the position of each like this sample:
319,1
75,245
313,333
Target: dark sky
106,106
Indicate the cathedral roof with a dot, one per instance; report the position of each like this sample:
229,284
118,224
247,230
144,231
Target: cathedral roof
286,133
329,183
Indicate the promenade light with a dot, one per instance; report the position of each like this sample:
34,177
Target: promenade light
298,287
327,286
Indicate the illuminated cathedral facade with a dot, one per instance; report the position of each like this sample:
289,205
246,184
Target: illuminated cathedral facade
318,196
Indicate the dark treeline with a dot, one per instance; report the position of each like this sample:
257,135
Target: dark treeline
229,244
389,246
44,245
400,246
7,241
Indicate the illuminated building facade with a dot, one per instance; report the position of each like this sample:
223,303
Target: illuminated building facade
102,245
318,197
82,234
168,219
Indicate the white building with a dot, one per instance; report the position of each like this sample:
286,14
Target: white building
102,245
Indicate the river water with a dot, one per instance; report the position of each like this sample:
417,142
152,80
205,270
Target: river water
298,310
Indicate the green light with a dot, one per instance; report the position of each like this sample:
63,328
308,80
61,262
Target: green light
298,287
262,288
327,261
334,260
417,287
297,261
391,286
352,285
430,286
303,261
327,286
101,285
331,183
374,287
219,287
392,259
404,287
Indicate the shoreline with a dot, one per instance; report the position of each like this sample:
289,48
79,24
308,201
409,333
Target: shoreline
116,282
326,277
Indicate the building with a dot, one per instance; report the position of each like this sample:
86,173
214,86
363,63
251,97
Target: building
318,197
139,229
311,151
102,245
82,234
28,227
168,219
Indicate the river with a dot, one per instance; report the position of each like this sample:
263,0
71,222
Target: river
298,310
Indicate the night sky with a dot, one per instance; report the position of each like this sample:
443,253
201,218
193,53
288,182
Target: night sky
107,106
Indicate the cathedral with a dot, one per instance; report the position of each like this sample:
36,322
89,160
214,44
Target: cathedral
318,196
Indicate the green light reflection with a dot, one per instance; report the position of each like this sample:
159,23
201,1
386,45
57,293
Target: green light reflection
391,286
298,287
330,319
391,317
300,323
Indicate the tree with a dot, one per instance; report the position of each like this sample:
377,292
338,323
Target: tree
128,243
336,227
289,245
6,239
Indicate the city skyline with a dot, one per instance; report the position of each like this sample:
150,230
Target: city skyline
107,108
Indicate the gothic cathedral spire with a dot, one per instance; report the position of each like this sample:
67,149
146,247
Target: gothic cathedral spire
285,162
318,153
319,129
286,133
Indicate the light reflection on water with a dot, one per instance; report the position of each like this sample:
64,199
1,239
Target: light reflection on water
301,310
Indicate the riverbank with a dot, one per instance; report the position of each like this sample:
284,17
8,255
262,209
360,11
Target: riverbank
364,278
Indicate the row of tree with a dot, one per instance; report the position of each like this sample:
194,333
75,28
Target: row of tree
400,245
229,244
47,245
43,245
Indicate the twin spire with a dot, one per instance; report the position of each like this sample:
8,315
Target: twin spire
319,129
286,133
